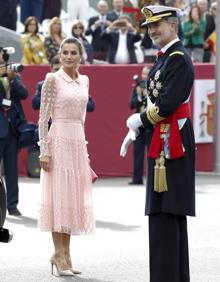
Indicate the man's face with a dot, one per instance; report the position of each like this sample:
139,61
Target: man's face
144,73
118,5
162,32
203,5
102,8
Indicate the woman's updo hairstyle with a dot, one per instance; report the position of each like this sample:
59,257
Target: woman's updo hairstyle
72,40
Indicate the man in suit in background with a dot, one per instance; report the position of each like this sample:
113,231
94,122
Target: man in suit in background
117,10
96,26
121,37
12,91
170,193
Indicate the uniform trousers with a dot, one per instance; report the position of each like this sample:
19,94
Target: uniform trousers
168,248
9,153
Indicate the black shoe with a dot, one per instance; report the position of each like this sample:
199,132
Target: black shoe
135,183
14,212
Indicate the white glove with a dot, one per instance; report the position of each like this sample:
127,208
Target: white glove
134,121
131,136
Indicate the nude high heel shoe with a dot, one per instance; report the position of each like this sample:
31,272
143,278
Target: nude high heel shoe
69,263
61,267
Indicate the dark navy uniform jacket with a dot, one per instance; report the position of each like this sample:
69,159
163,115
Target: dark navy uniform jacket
169,85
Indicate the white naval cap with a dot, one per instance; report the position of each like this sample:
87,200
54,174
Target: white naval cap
156,13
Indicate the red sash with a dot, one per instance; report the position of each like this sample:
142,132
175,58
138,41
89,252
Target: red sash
175,142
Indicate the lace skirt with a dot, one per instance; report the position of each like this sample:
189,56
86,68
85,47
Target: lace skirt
66,202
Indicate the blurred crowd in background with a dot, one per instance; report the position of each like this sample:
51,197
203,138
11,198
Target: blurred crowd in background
110,31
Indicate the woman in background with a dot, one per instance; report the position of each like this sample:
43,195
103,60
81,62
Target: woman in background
55,37
77,31
32,43
193,30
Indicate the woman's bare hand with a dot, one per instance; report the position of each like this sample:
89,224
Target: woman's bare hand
45,163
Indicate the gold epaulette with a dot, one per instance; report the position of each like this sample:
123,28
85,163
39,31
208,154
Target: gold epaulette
176,53
153,116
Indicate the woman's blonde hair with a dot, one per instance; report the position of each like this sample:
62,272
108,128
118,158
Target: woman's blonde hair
53,21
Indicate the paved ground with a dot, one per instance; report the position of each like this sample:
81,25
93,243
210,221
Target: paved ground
118,251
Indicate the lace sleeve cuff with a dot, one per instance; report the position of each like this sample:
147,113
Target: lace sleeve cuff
45,148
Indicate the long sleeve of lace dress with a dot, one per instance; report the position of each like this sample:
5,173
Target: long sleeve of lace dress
48,95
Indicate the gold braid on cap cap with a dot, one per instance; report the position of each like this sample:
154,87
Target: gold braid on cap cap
152,114
152,17
147,13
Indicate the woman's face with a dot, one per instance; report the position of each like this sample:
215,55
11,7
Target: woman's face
214,10
70,56
56,27
78,29
195,13
32,26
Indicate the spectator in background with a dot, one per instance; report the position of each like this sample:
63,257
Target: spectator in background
193,30
210,29
203,5
32,8
8,14
32,43
96,27
53,40
174,4
139,103
149,49
77,31
117,10
121,36
51,9
78,9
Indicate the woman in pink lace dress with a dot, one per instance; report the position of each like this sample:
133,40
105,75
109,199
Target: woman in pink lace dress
66,205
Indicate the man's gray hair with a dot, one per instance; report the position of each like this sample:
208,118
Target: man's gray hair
175,20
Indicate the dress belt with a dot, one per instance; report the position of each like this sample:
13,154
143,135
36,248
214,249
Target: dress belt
66,120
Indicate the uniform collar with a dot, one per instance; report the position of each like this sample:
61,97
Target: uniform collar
66,77
166,47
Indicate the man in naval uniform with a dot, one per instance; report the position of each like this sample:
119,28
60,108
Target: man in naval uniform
170,193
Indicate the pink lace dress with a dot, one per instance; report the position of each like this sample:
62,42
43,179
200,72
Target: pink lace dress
66,203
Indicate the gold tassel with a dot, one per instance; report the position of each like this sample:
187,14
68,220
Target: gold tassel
156,176
162,174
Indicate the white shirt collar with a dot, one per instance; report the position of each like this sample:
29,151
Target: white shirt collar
102,17
166,47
